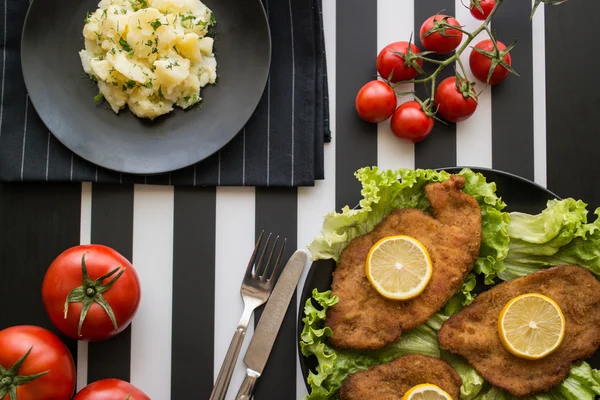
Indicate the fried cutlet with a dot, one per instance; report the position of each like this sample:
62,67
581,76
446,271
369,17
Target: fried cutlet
473,333
362,318
392,380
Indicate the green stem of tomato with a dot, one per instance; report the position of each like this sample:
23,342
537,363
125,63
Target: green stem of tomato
456,57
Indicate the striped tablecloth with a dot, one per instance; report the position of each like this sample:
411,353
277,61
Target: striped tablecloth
190,246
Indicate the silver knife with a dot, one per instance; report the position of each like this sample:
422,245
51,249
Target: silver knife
266,332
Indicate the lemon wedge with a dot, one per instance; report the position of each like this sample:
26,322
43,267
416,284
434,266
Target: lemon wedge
399,267
531,326
426,391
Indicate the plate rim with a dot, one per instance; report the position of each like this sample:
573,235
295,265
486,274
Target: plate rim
265,78
304,370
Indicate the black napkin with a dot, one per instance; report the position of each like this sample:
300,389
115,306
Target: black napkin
281,145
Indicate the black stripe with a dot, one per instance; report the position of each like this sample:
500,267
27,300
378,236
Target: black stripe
438,150
512,100
192,356
572,101
112,225
38,223
276,212
356,49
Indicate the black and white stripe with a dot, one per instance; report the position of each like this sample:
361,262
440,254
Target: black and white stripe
191,246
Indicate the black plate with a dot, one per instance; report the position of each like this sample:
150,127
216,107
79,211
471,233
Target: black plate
519,194
63,95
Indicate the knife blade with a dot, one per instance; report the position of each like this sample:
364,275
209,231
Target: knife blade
266,332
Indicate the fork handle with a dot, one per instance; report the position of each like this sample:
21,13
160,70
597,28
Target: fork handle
224,377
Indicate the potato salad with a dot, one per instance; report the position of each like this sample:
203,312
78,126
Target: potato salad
149,54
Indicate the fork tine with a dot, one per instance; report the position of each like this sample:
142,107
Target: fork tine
278,262
263,275
259,264
253,256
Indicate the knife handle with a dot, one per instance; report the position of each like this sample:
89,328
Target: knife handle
222,383
245,392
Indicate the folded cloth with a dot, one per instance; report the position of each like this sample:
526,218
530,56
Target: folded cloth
281,145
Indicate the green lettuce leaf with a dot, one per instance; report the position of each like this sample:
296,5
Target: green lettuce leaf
385,190
558,235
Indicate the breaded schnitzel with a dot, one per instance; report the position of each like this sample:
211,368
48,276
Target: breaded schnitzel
362,318
473,333
392,380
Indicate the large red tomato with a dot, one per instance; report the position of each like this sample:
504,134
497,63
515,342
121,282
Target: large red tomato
438,35
95,283
111,389
397,61
36,365
375,101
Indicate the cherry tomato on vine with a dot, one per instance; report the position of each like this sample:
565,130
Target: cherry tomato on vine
437,36
486,8
411,122
399,67
482,63
109,389
455,102
375,101
35,364
95,282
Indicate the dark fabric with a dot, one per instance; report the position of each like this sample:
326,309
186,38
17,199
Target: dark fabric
281,145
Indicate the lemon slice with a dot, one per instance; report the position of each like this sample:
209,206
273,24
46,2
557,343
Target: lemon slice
426,391
531,326
399,267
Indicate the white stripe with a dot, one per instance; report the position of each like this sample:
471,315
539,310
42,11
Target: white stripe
314,203
235,221
3,64
85,236
539,97
48,156
24,136
395,21
244,157
293,86
153,208
474,136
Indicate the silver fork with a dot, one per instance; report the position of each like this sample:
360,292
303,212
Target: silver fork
256,289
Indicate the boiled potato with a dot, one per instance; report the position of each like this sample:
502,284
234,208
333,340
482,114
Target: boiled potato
149,55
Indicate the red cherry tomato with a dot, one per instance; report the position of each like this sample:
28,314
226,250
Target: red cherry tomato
388,61
65,281
481,64
486,8
437,42
48,358
451,102
410,122
375,101
111,389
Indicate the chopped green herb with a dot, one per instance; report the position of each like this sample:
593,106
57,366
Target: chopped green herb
176,51
98,97
187,98
152,68
130,84
116,12
149,85
184,19
125,45
155,24
213,20
149,43
124,88
100,58
138,4
115,83
154,50
123,11
94,78
87,17
104,14
110,71
160,93
112,51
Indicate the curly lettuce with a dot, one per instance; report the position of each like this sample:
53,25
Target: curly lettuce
558,235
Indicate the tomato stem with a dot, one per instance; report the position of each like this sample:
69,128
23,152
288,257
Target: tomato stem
10,378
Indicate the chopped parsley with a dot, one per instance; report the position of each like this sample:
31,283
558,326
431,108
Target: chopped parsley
173,64
100,58
160,93
185,18
87,17
124,88
130,84
213,20
138,4
149,85
94,78
104,14
176,51
186,98
125,45
149,43
115,83
112,51
98,98
155,24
